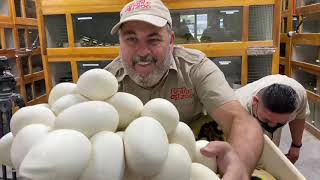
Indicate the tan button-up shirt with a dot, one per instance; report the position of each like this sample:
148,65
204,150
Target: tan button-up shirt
193,84
245,94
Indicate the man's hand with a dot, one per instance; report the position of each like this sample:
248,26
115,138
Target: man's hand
296,128
229,164
293,154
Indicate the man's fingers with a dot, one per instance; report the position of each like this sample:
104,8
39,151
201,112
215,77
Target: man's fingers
293,156
215,148
293,159
229,164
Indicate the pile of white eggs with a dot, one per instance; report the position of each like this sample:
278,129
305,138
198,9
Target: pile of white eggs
89,131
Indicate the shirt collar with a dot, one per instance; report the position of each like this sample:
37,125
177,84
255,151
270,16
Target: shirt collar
173,64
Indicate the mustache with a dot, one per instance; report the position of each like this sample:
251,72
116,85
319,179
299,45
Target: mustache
148,58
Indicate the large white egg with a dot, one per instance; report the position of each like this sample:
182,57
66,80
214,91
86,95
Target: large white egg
129,175
61,155
97,84
107,158
5,147
211,163
183,135
66,101
31,115
177,165
60,90
89,118
120,133
146,146
163,111
128,106
201,172
46,105
26,138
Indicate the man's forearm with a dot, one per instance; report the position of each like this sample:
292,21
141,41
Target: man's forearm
242,132
296,129
247,137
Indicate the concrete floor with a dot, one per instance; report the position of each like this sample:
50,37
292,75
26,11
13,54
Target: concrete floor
309,161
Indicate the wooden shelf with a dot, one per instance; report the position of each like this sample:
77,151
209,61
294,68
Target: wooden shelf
9,53
29,78
75,6
313,96
37,100
314,69
181,4
101,53
313,130
91,52
5,20
308,10
6,25
26,21
100,6
220,49
308,126
27,52
307,39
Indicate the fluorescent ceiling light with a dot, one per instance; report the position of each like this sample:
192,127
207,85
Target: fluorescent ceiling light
84,18
229,11
224,62
90,65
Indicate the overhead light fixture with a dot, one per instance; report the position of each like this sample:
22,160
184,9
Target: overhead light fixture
229,11
90,65
224,62
84,18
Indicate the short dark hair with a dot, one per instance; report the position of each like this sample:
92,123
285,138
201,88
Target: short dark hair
279,98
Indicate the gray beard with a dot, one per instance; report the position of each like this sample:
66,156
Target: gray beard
153,78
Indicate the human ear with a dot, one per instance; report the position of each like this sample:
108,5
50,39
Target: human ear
255,100
172,38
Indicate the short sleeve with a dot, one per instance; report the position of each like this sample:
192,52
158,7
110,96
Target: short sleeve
210,85
303,110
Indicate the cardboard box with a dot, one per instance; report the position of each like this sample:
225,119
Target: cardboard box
272,160
277,164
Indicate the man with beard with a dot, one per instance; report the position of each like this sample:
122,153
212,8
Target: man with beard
275,100
150,66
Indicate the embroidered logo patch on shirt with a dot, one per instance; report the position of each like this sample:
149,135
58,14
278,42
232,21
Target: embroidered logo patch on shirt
181,93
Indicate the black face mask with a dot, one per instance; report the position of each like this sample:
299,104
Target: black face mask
265,125
269,129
